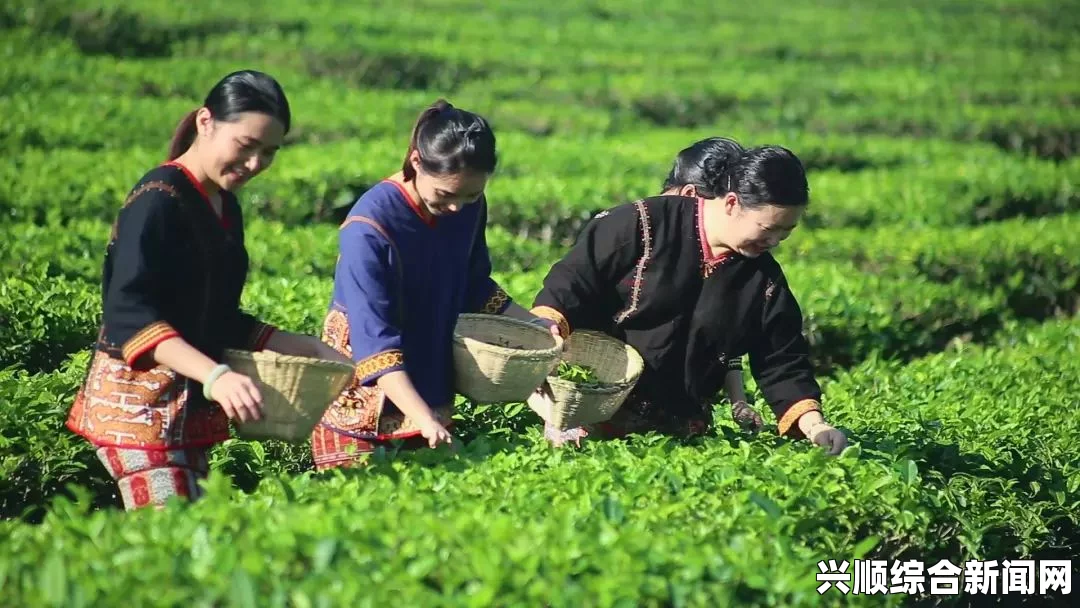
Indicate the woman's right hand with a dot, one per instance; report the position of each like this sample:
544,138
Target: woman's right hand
435,433
238,396
827,436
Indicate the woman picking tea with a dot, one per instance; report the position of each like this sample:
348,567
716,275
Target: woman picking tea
413,257
689,282
157,395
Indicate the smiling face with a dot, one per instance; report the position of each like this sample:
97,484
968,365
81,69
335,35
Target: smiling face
754,231
447,194
235,151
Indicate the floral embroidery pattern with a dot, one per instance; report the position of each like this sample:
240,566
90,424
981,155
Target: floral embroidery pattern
336,332
123,407
360,412
148,186
709,263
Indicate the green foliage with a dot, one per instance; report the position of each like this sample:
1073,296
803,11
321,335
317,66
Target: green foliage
936,269
961,468
578,374
1025,261
38,456
43,320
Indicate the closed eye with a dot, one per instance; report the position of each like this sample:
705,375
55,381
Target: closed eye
251,144
778,228
468,196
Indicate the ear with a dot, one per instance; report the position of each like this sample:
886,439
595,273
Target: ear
688,190
414,160
204,121
731,203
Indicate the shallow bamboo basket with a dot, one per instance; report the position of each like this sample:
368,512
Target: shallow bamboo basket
617,365
498,359
296,392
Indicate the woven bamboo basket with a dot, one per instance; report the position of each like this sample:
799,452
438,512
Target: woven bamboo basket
617,366
498,359
296,392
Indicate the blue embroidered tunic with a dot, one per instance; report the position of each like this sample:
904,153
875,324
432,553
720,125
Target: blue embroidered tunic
402,278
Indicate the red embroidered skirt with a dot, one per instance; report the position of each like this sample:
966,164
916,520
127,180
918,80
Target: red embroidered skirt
152,409
361,418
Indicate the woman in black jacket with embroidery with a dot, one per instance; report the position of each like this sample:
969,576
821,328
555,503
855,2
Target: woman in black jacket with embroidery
689,282
157,396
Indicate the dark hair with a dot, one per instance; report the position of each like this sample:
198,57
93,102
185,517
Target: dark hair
770,175
704,165
764,175
242,91
451,140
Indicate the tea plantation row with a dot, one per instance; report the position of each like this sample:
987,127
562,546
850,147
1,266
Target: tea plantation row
865,294
898,293
546,189
839,66
957,465
936,269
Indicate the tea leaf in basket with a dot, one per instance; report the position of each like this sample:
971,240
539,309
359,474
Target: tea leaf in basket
578,374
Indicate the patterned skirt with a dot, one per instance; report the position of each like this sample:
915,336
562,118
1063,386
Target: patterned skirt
151,430
361,418
150,409
151,477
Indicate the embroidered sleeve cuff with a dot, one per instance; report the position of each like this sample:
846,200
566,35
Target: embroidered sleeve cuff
380,364
497,302
260,335
552,314
146,339
788,422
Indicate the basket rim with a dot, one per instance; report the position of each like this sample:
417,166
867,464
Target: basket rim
515,352
276,357
603,387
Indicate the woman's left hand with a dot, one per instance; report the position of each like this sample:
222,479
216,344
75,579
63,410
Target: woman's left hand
746,417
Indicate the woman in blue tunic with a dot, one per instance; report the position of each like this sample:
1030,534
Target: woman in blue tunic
413,256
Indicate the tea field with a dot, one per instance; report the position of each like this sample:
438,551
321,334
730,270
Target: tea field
937,268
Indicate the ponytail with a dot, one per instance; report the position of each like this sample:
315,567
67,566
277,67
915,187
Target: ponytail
451,140
430,112
184,136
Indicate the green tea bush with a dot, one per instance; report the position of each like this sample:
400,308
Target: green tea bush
935,269
42,320
962,469
1026,261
